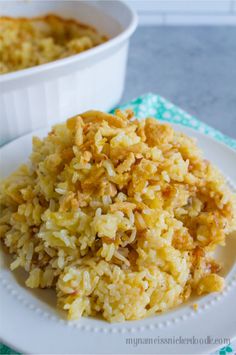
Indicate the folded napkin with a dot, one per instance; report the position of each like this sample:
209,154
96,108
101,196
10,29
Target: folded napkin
158,107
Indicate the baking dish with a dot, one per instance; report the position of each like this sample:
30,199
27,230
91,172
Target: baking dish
43,95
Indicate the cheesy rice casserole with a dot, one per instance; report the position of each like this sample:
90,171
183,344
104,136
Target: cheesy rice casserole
25,43
112,211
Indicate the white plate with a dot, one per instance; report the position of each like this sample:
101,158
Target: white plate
30,322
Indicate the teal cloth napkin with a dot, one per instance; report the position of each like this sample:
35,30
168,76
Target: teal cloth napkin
158,107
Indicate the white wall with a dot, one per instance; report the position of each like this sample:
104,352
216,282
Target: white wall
185,12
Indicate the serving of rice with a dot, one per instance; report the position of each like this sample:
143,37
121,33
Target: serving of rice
27,42
120,216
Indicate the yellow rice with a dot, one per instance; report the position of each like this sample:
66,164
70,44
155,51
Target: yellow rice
27,42
121,217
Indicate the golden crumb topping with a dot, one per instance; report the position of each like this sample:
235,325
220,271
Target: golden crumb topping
25,43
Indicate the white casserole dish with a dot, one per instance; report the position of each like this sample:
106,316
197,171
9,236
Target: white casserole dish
49,93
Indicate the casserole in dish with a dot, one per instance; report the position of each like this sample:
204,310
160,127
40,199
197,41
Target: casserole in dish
49,93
